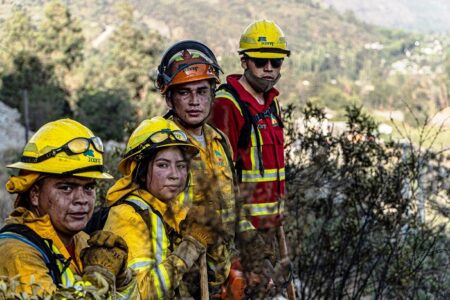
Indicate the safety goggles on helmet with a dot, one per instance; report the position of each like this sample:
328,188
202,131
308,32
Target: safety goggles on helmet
73,147
262,62
158,138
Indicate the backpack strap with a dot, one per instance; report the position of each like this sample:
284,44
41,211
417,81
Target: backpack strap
143,210
249,122
139,208
28,236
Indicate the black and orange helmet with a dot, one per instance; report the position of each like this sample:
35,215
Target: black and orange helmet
186,61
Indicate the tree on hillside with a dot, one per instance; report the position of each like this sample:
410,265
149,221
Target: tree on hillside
353,213
107,113
61,43
130,55
60,36
47,100
17,34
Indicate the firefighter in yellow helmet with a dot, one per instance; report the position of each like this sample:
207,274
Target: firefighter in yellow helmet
42,242
148,211
246,109
187,78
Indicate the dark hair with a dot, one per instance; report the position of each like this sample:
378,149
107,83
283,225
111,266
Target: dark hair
140,173
23,199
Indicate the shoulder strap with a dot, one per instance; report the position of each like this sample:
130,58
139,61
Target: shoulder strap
275,108
143,211
244,137
27,235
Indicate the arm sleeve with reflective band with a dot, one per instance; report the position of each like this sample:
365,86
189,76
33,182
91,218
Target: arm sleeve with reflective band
25,261
228,118
130,291
158,271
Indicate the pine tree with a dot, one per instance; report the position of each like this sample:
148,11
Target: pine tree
60,36
17,35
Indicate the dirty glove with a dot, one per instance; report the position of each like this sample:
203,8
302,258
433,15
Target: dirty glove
203,215
189,250
109,251
201,224
255,256
253,251
281,274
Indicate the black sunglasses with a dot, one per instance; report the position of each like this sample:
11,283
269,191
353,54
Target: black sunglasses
261,62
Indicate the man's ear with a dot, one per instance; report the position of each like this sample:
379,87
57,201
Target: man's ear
34,196
169,101
244,63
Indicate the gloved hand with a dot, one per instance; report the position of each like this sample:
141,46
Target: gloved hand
204,215
281,274
253,251
109,251
203,234
201,224
254,256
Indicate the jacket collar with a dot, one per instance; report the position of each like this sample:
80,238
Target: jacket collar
245,96
44,228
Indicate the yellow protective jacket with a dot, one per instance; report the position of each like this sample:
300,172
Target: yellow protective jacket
150,246
19,258
212,181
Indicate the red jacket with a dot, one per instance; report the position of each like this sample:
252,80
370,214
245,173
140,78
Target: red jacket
265,207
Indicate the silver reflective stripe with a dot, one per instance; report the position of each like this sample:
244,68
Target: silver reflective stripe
141,264
227,215
161,276
245,226
264,209
142,204
159,234
269,175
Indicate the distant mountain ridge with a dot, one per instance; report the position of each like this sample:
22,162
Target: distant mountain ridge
411,15
220,23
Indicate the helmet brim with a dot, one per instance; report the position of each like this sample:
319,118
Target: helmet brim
265,54
37,168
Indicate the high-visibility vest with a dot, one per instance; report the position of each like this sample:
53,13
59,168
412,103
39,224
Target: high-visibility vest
260,156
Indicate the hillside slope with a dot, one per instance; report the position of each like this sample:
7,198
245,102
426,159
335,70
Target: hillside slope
416,15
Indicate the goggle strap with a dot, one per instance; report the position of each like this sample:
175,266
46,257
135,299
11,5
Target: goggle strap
65,147
30,159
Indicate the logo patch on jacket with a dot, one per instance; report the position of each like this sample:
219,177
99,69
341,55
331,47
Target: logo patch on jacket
274,121
219,158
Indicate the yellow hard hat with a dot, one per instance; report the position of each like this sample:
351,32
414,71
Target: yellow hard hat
263,39
64,147
153,134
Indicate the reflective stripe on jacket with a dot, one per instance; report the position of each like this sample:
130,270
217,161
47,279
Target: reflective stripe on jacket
158,272
265,207
20,257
